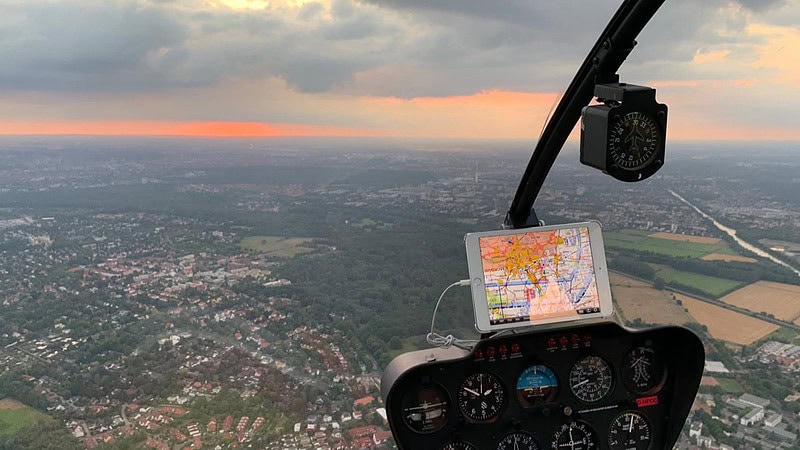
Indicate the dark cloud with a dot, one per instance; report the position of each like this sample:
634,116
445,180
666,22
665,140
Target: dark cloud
761,5
443,47
60,47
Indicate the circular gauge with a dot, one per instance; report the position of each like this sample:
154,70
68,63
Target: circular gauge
459,446
629,431
590,379
481,397
425,409
642,371
575,436
632,140
519,440
537,384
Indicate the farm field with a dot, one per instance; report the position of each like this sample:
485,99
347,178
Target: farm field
277,246
678,246
727,325
711,286
639,300
686,238
780,300
728,258
15,416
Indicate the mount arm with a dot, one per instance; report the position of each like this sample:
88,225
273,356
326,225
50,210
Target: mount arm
601,65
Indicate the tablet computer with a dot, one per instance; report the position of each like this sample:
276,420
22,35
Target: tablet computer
538,276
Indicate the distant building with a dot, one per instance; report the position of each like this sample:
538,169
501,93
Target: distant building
781,434
753,417
716,367
754,401
773,420
695,430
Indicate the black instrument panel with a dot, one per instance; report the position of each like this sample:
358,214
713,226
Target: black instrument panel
596,386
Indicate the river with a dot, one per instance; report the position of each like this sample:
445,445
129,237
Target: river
732,233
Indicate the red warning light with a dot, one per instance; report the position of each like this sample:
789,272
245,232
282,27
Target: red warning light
490,352
503,350
515,348
563,341
478,354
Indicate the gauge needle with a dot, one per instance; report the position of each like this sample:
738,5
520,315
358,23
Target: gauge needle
581,383
630,427
472,392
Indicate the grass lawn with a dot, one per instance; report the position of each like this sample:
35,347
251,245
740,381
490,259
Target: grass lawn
276,246
639,240
12,420
730,386
711,286
783,335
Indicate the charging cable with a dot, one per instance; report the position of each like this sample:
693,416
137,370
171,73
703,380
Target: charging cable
448,341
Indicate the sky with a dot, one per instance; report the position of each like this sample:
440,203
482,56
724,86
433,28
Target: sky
467,69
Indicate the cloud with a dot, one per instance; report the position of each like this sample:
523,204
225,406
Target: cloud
317,61
449,47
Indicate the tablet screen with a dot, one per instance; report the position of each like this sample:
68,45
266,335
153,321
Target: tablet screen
539,275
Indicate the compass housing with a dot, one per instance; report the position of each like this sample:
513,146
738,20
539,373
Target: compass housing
607,132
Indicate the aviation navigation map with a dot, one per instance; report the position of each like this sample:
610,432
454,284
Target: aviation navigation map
539,275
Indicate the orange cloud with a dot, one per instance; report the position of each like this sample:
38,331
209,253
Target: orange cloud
199,129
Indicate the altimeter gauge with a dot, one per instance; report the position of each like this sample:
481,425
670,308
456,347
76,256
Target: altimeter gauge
629,431
481,397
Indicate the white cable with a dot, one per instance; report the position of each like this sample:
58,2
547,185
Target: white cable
448,341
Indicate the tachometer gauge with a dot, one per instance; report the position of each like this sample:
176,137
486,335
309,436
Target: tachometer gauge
629,431
642,370
575,436
481,397
425,409
519,440
537,384
591,379
459,446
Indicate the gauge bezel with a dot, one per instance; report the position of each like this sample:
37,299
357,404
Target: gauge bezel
526,404
611,386
614,424
587,429
448,412
500,409
658,386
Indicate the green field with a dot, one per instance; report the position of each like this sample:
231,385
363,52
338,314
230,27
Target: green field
730,386
640,241
277,246
12,420
711,286
783,334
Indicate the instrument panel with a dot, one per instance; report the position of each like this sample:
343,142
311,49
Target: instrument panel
597,386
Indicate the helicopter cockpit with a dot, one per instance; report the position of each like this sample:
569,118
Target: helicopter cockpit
584,384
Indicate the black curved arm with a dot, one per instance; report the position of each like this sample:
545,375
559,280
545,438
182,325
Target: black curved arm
601,65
